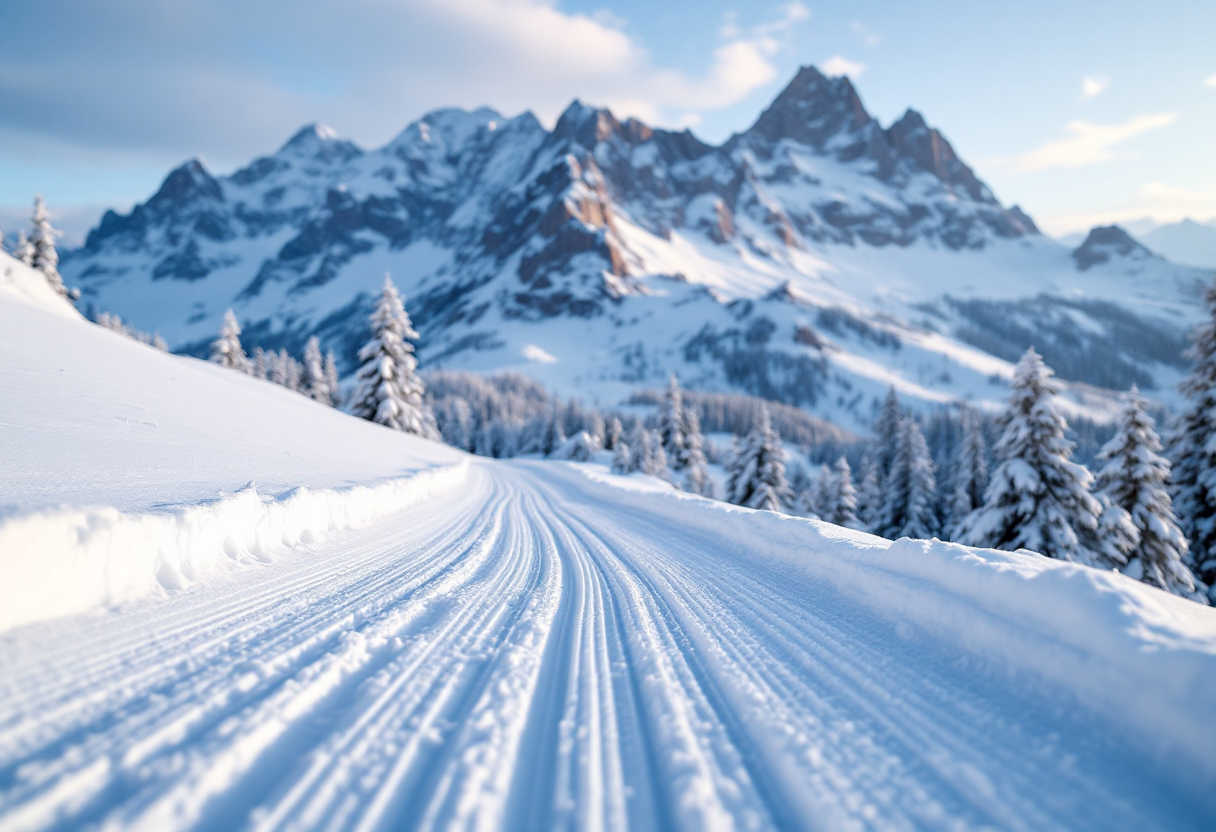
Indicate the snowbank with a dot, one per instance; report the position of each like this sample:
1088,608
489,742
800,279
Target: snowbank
18,282
1144,658
70,560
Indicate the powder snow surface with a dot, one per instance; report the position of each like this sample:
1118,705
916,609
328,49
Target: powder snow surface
541,645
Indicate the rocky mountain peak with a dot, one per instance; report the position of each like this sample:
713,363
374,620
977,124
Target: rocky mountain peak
320,143
1106,242
812,109
588,126
186,184
912,139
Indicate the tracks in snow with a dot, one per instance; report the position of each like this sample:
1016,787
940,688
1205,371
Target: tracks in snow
528,655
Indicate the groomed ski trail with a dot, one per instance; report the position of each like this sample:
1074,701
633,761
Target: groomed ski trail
522,654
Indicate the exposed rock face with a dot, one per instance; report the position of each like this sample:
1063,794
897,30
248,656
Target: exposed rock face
1105,242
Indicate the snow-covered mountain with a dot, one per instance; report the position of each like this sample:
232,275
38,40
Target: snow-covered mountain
814,258
1186,241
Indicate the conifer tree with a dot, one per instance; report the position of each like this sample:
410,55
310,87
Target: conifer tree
970,471
595,428
261,364
285,370
553,434
331,379
1192,451
45,257
696,474
622,458
390,390
612,434
869,494
911,488
816,499
24,250
639,445
1134,478
455,421
655,463
841,506
226,350
314,384
671,424
756,473
886,436
1038,498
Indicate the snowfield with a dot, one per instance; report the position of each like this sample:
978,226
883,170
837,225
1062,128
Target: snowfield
423,640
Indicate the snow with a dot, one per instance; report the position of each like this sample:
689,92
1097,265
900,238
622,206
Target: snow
406,637
21,286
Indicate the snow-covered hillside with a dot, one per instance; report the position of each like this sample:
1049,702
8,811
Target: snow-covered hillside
127,470
815,258
390,635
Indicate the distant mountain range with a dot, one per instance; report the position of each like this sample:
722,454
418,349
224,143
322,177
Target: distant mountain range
1186,242
815,258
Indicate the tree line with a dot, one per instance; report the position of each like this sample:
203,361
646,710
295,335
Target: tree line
1147,513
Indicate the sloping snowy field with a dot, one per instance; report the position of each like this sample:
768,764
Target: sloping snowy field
538,645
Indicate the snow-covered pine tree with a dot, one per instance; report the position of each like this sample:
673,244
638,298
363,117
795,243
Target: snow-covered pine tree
553,435
970,471
639,445
390,391
1038,498
45,257
260,364
816,499
756,474
800,481
696,472
314,384
293,372
911,488
1192,451
595,428
671,424
612,434
622,458
331,379
655,463
24,251
869,495
841,506
226,350
1134,478
886,436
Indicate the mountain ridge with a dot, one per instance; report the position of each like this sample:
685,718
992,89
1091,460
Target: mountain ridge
503,233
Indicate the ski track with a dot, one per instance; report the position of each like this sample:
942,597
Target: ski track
521,654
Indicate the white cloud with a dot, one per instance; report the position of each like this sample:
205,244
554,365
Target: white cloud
365,66
1092,85
863,33
1086,144
840,65
1210,81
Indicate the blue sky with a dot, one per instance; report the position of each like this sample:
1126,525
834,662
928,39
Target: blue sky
1082,112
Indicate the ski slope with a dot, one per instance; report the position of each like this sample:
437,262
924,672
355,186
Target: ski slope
527,652
430,641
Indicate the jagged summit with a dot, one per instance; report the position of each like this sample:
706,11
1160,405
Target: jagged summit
811,110
321,143
1106,242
